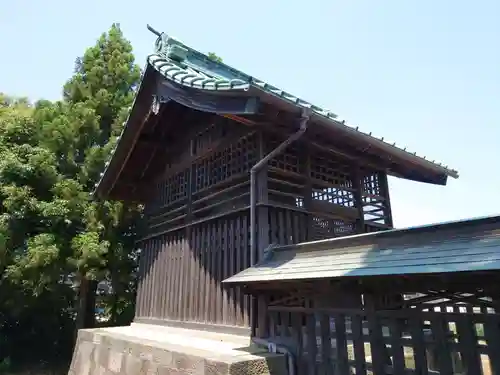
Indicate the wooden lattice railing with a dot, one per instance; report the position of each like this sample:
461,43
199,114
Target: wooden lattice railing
456,339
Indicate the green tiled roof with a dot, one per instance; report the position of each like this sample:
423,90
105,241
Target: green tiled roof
188,76
188,67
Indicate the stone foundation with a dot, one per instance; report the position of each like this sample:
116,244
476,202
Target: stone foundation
141,349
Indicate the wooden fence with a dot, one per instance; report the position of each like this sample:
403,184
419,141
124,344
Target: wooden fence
455,339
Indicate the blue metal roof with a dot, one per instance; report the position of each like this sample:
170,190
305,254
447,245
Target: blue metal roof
469,245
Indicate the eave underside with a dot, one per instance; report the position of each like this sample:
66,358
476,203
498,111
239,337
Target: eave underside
142,150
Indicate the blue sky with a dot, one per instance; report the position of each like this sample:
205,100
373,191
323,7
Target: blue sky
425,74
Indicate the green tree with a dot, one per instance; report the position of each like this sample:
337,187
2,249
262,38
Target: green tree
53,235
32,263
101,92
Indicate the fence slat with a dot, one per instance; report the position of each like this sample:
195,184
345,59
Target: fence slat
298,339
311,344
492,336
273,321
443,352
358,342
416,329
397,350
468,344
326,345
377,345
285,323
341,341
437,347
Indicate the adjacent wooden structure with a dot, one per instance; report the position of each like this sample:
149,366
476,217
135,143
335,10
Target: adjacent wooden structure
196,129
339,307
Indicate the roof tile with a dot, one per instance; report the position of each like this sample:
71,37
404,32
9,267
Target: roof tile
226,83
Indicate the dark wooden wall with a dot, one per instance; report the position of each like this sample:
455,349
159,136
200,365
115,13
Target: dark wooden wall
183,271
197,220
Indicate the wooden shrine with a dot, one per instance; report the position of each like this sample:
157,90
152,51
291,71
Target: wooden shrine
191,151
421,300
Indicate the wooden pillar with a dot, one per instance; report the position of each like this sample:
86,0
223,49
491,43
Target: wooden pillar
262,321
357,184
192,262
305,170
262,201
190,188
380,354
139,308
384,189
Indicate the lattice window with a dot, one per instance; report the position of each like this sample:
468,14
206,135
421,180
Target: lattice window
374,203
158,197
299,201
213,133
222,165
371,184
326,169
175,187
331,181
288,160
338,196
323,228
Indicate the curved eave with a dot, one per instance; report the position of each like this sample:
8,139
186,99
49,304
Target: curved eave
237,83
329,120
141,108
189,76
394,152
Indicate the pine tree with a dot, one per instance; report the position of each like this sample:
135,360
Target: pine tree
94,239
52,232
104,85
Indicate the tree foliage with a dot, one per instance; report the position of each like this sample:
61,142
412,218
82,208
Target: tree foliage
214,57
56,242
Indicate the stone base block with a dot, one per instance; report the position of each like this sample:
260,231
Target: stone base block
143,350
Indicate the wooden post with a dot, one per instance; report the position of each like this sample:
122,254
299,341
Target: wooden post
380,354
190,188
357,184
384,189
192,268
262,321
305,170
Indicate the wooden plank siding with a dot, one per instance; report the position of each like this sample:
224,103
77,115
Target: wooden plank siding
185,273
198,225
